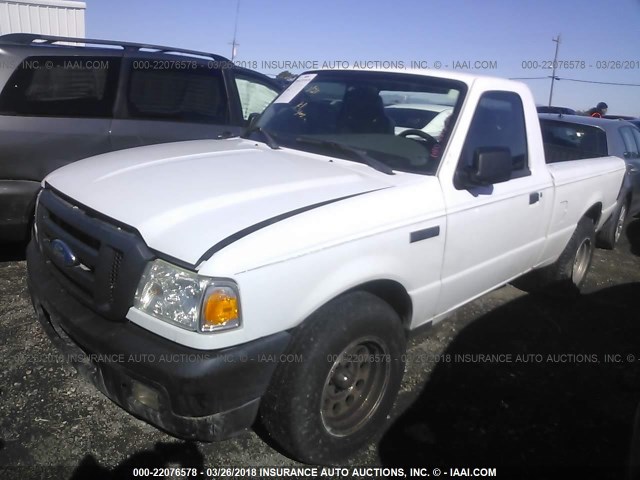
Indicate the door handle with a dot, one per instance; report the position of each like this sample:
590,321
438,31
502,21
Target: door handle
534,197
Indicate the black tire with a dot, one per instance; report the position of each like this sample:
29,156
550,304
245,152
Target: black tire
567,275
326,407
609,236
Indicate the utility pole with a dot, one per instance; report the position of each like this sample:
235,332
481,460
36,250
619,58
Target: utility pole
553,74
234,44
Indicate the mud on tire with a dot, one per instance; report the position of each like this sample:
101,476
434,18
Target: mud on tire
336,400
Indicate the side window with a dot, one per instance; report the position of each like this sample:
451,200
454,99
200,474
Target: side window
177,94
636,135
254,95
630,147
498,122
564,141
62,86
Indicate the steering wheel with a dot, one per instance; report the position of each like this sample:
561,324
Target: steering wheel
417,133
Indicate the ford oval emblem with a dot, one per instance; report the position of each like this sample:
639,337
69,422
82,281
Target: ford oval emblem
63,253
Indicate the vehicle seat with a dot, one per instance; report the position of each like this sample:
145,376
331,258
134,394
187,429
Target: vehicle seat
363,112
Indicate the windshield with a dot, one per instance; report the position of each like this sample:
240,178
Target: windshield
399,120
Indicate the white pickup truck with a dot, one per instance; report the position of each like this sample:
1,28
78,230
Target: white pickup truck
204,284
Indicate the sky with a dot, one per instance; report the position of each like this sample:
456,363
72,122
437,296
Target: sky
505,38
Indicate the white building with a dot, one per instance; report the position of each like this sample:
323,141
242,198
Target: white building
48,17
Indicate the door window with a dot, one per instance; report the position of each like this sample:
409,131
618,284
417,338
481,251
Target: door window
630,146
636,136
498,122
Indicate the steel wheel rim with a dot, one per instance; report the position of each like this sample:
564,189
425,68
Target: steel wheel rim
581,262
620,224
355,386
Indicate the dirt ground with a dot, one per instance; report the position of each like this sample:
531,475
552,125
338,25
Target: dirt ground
527,385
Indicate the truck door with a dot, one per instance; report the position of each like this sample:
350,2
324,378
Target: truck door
494,232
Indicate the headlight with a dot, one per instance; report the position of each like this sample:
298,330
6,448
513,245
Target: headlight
185,299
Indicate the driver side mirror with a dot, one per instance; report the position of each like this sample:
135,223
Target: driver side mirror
490,165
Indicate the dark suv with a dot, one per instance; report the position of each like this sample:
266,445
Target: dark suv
572,137
63,99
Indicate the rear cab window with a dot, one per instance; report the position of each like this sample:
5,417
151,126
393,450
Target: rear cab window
65,86
565,141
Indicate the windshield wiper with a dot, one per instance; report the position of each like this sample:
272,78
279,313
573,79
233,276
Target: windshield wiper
267,136
361,155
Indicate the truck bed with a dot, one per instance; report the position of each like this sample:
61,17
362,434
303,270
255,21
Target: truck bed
592,181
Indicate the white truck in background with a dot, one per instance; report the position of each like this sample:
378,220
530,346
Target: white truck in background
278,275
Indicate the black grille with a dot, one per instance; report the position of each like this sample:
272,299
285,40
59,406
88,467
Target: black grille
113,277
110,257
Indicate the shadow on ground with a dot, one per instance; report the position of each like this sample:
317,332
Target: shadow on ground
562,404
163,455
633,234
12,252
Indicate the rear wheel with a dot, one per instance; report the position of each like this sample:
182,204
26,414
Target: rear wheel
568,274
335,397
609,236
582,261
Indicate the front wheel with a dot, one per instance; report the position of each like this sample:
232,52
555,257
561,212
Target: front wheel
335,397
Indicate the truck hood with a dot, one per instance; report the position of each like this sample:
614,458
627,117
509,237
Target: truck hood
186,197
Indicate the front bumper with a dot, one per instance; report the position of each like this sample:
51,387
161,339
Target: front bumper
192,394
17,199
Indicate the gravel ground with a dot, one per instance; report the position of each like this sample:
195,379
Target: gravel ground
567,401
